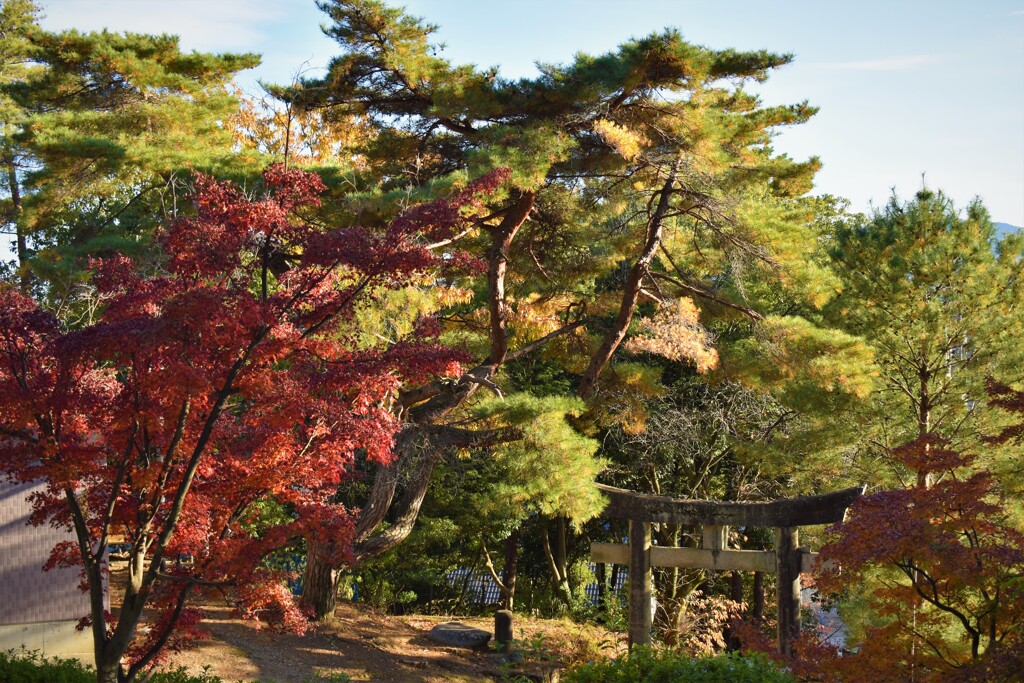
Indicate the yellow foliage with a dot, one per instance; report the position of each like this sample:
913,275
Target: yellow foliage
533,316
626,393
452,296
298,137
676,333
627,143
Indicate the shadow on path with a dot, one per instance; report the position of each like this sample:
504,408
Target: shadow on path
362,645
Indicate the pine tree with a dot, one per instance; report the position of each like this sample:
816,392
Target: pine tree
938,298
17,17
639,177
100,134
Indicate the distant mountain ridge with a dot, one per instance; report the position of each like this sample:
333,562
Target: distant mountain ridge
1006,228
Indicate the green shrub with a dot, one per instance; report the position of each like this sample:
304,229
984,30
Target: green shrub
181,675
28,666
644,665
329,678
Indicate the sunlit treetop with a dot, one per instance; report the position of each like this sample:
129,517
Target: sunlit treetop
668,96
592,146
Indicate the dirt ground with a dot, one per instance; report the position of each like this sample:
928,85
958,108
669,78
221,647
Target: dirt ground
369,646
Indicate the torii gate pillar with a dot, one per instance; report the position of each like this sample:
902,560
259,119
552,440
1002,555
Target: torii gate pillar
788,558
640,584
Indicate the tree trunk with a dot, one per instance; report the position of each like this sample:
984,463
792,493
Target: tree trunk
507,581
419,463
107,671
319,582
924,421
758,613
562,558
416,458
510,570
736,587
732,643
24,278
497,257
557,563
631,292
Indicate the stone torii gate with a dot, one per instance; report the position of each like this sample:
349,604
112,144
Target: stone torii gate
788,560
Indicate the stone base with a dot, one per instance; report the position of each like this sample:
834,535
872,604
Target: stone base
49,638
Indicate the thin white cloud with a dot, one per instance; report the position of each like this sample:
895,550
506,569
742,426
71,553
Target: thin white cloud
886,64
1017,13
202,25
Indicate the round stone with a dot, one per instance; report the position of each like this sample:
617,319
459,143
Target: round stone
456,634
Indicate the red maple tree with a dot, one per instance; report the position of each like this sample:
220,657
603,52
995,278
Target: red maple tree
944,571
223,379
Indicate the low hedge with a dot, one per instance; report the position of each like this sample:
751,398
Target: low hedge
644,665
28,666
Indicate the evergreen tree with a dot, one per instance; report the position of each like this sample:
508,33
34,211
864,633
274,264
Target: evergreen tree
639,177
17,17
938,298
98,130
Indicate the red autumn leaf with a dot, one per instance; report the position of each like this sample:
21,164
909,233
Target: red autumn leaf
211,386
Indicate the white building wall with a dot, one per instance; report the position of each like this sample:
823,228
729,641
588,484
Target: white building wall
38,610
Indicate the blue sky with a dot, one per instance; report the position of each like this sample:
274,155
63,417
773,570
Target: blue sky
905,87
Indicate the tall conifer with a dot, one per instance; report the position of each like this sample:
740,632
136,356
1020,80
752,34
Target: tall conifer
639,177
98,130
